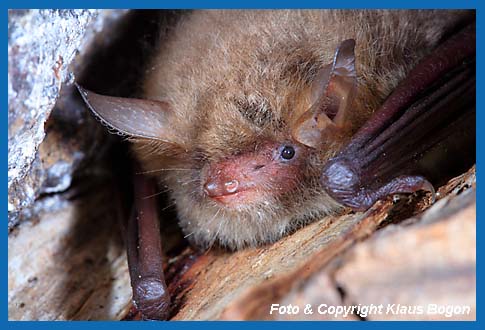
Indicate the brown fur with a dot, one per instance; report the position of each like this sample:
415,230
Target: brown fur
235,78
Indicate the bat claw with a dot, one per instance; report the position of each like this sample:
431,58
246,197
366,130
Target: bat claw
404,184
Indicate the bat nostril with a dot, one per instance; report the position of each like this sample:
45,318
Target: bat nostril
210,188
231,186
258,167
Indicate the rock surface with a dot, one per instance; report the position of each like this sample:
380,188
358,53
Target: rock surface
41,46
71,264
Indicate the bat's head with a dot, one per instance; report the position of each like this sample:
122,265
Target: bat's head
243,166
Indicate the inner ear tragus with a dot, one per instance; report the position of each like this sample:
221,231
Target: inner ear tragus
332,93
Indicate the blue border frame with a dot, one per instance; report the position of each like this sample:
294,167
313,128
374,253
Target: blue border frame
147,4
142,4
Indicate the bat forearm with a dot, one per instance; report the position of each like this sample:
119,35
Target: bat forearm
150,294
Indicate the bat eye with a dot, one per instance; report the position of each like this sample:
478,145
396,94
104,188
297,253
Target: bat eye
288,152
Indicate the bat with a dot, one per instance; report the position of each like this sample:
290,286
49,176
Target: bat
261,121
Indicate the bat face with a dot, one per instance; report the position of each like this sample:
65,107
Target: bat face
250,197
244,180
239,119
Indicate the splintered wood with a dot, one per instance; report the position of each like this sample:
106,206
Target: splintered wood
417,265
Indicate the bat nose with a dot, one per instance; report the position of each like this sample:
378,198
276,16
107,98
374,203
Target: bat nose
214,188
235,176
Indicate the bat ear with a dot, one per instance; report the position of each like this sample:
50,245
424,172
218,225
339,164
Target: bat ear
132,117
331,96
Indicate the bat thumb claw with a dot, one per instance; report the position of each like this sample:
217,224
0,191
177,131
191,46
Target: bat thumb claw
427,186
406,184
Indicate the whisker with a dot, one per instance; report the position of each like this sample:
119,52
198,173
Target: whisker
217,232
214,238
190,181
189,234
168,206
156,194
